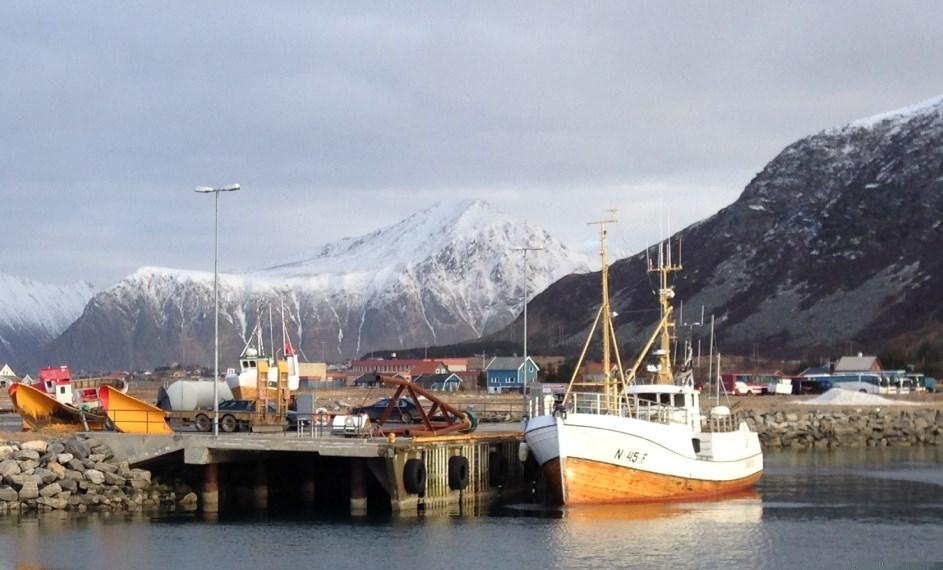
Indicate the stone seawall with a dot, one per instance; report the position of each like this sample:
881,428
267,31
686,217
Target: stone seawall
821,428
72,474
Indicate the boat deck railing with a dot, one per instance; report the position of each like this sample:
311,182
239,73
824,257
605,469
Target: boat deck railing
635,407
720,423
626,406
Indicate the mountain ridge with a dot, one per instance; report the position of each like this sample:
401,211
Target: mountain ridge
445,273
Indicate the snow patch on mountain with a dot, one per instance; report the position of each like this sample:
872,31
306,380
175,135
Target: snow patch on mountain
25,303
904,114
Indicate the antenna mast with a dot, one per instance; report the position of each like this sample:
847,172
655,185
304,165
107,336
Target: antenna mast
664,373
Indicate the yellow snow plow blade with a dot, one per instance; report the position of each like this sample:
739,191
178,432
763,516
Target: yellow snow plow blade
131,415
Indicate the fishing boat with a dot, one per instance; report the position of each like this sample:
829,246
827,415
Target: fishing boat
638,434
41,411
259,373
59,402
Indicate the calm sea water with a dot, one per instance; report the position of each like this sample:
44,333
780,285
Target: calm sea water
865,509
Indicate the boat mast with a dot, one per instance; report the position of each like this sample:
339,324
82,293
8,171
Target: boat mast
609,386
612,385
664,373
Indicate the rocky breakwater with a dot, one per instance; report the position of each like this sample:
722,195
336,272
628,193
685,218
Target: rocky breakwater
823,428
71,474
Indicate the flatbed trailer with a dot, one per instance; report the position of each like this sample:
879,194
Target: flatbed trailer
230,421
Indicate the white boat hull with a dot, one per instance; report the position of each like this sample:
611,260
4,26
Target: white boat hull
597,458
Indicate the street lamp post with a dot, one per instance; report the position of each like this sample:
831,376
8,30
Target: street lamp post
524,378
215,192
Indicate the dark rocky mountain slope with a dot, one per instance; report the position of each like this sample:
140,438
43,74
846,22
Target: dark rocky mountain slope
836,243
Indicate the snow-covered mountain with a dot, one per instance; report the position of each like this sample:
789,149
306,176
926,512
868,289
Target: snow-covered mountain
444,274
32,314
836,242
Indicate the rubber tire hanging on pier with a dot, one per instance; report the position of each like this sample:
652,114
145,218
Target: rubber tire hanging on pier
458,472
414,476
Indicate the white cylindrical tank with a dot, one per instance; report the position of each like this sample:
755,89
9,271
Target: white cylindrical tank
185,395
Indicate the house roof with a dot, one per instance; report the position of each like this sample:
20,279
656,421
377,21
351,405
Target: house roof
507,363
427,380
816,370
857,363
367,378
428,367
374,378
414,365
453,361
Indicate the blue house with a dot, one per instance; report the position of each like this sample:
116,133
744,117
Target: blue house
505,373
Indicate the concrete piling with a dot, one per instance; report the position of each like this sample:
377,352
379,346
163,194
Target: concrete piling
307,487
358,487
210,491
260,487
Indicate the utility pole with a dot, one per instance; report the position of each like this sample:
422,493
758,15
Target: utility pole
215,192
525,249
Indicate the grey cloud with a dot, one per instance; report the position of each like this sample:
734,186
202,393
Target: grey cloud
345,117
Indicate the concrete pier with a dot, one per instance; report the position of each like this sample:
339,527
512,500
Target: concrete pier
396,474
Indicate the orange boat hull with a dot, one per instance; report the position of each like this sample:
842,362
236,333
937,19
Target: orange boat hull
594,482
131,415
41,411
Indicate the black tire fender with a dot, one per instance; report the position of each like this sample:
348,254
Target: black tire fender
414,476
458,472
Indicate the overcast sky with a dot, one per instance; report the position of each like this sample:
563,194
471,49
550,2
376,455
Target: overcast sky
338,119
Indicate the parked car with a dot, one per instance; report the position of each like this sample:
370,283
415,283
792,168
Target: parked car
406,412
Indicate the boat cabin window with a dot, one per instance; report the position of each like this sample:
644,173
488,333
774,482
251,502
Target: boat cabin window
648,398
62,389
664,399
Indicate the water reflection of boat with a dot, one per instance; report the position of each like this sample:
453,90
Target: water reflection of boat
636,438
742,507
